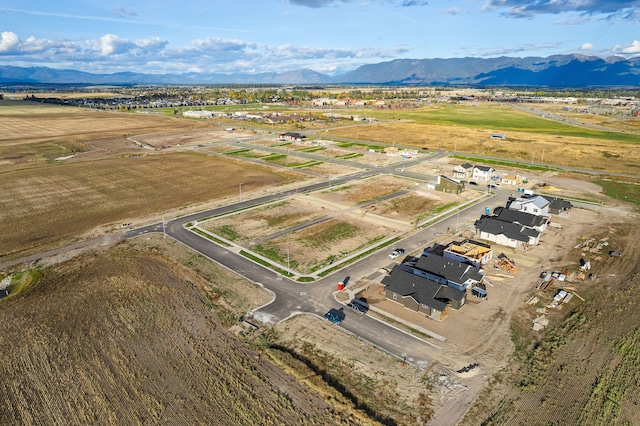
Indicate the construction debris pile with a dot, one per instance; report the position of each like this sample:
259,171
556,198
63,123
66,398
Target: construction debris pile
590,247
506,264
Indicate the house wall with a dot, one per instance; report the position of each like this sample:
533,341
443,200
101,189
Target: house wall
461,287
480,175
455,304
533,209
447,186
410,303
500,239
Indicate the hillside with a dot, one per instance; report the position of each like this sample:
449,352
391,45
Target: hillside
553,71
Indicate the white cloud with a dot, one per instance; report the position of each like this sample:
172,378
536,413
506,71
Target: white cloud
8,41
451,11
586,46
111,44
633,48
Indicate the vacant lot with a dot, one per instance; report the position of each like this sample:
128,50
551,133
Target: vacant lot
131,338
466,128
22,122
254,224
49,205
310,231
367,190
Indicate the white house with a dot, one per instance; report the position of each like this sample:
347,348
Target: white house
484,173
463,171
537,205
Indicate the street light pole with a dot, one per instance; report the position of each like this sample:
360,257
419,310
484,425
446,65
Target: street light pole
240,192
164,227
288,266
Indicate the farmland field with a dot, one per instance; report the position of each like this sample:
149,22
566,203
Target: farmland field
465,128
65,201
22,122
131,338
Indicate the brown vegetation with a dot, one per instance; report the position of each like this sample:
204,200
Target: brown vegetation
49,205
128,337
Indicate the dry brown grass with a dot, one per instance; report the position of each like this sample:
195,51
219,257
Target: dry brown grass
48,205
129,338
22,122
587,153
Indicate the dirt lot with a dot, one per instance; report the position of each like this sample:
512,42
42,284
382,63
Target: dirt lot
140,344
344,226
480,335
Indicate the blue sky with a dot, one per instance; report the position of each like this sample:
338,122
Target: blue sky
328,36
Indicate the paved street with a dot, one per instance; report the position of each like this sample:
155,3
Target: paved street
290,297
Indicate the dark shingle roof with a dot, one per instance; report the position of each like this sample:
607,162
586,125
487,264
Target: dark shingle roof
494,226
484,168
523,218
451,270
558,203
422,290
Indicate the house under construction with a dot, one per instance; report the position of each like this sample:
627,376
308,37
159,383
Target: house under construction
470,251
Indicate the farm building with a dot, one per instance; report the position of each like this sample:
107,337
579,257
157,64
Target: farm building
445,184
197,114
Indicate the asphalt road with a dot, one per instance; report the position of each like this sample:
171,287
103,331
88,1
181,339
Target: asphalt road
291,298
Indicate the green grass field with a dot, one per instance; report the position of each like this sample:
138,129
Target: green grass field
499,118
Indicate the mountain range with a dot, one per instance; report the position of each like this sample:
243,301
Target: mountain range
569,71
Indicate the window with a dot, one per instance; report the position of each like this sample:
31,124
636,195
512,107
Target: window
395,296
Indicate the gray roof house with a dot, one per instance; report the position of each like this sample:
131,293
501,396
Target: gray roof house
535,204
539,223
421,294
559,206
463,171
508,234
449,272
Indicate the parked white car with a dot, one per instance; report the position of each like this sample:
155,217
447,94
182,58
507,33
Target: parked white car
396,253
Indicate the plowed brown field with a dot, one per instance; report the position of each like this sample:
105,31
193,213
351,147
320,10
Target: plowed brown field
129,338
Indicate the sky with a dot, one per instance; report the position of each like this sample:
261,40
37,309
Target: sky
327,36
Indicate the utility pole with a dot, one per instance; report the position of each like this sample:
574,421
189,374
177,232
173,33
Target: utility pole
288,266
164,227
240,192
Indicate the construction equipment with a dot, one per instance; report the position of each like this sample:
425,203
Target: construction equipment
506,264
